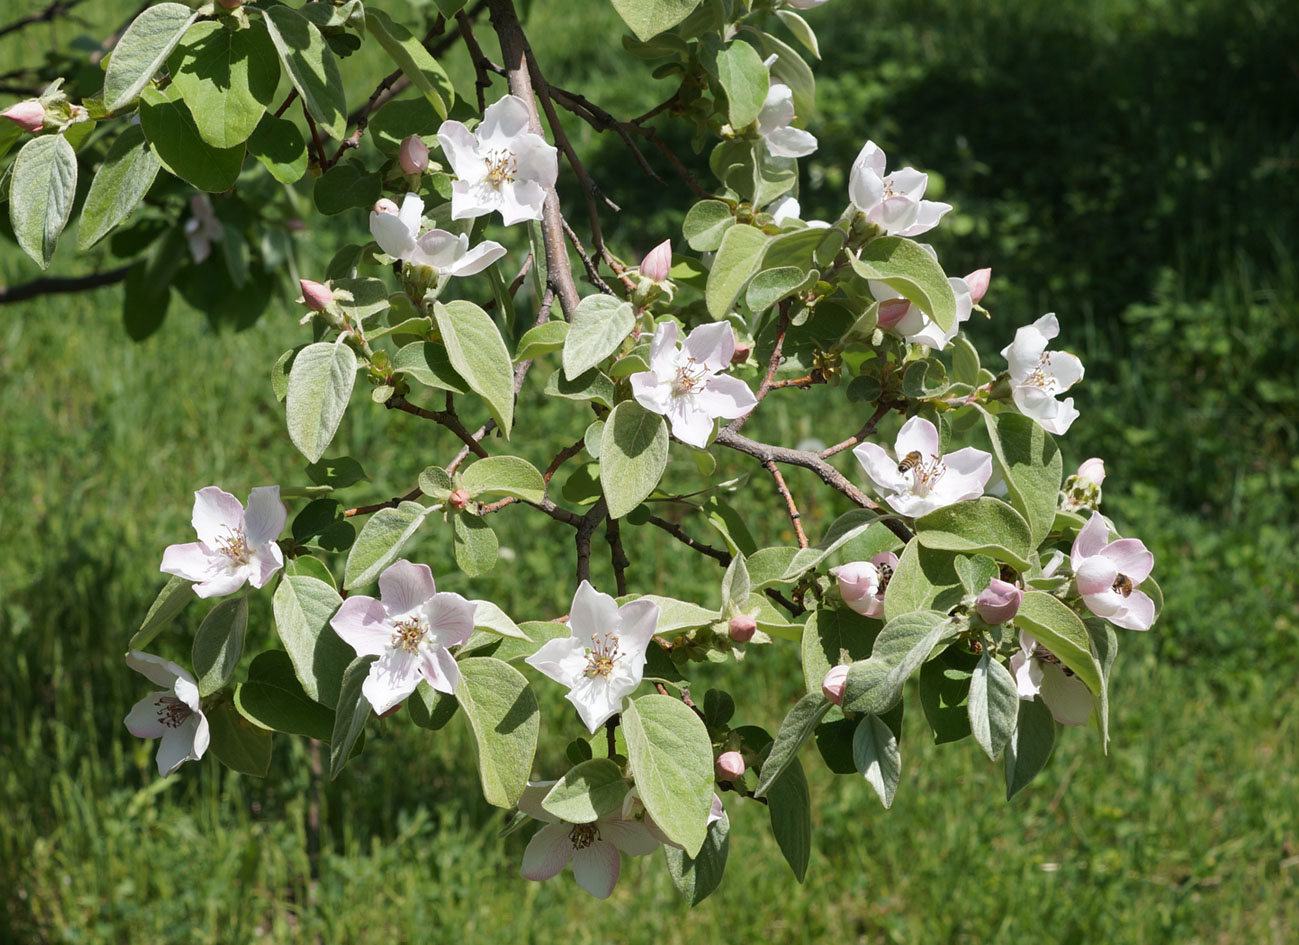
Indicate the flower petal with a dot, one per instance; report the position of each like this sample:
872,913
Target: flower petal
592,613
363,624
650,393
663,348
264,519
637,619
461,150
477,259
1092,538
177,745
469,200
918,435
534,792
927,216
1130,556
217,514
548,852
143,720
1136,613
521,201
440,669
630,836
880,467
596,868
1068,697
690,422
711,345
790,142
504,119
535,160
595,700
393,677
157,670
450,618
266,561
725,397
222,583
1095,575
562,659
392,235
405,586
193,561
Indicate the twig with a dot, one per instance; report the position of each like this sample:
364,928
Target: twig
379,506
585,529
315,137
677,532
592,269
617,555
611,738
863,433
447,418
482,65
55,285
803,383
783,489
288,100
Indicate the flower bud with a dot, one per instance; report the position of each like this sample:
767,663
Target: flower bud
315,295
742,628
730,766
859,584
413,155
999,601
657,262
978,283
458,499
892,311
294,225
384,205
832,685
1092,472
28,115
741,353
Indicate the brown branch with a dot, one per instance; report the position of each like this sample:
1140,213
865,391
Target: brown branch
783,489
288,100
483,67
315,138
591,267
679,533
863,433
447,418
803,383
562,457
773,365
617,555
56,285
585,529
379,506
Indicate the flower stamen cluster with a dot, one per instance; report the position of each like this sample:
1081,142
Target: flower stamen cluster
602,655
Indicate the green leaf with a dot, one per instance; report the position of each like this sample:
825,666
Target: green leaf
121,182
737,258
429,363
923,580
878,759
1032,467
744,79
306,565
831,637
504,475
279,145
227,77
587,792
599,326
337,473
981,526
905,267
1061,631
975,571
705,225
303,607
771,285
735,583
487,616
502,711
633,455
170,128
841,531
351,714
346,186
944,695
789,806
671,760
993,705
479,355
142,50
320,385
802,32
794,71
431,709
541,339
42,186
413,59
380,542
593,385
171,600
794,732
1029,747
237,743
648,18
273,698
874,685
675,615
435,482
697,877
311,67
475,544
219,643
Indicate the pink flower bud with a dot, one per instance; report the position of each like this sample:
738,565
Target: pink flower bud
832,685
891,312
657,262
1092,471
413,155
742,628
384,205
28,115
999,602
458,499
315,295
730,766
294,225
859,585
741,353
978,283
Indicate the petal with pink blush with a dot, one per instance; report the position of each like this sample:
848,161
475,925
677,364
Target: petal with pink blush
1092,539
1095,575
711,345
1136,613
440,669
630,836
266,561
265,517
405,586
193,562
596,868
216,515
1131,558
548,852
363,624
451,618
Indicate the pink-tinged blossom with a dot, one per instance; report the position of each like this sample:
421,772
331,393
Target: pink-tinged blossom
998,602
833,685
730,766
862,583
172,714
233,545
1109,574
412,155
912,322
602,660
410,629
657,263
775,124
592,848
1037,376
398,234
683,384
202,229
977,282
28,115
916,478
892,201
315,295
1039,672
502,166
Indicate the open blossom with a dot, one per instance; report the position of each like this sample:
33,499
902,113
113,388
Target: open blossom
409,628
233,545
171,714
892,201
916,478
787,208
912,322
397,233
592,848
683,384
502,166
603,659
1039,672
1038,375
202,229
862,583
1109,574
775,124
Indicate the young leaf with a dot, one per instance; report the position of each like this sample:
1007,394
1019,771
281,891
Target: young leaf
273,698
599,326
303,607
487,616
351,714
475,545
219,643
121,182
587,792
696,877
142,50
541,339
877,757
982,526
429,364
802,32
737,258
833,636
227,78
648,18
794,731
744,79
735,583
504,475
993,705
923,580
672,762
633,455
380,542
413,59
593,385
1029,747
237,743
906,268
41,189
705,225
171,600
311,67
174,136
502,711
479,355
320,385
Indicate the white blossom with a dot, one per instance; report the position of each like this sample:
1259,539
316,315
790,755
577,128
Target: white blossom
1109,575
916,478
398,234
172,714
775,124
233,546
1038,376
892,201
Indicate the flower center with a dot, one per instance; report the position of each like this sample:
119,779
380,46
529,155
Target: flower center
408,632
501,166
1043,376
172,712
601,656
583,835
925,474
1123,585
234,545
690,378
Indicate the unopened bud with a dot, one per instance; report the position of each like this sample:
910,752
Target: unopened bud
741,353
294,225
384,205
657,263
891,312
458,499
730,766
978,283
832,685
28,115
742,628
999,601
1092,471
413,155
315,295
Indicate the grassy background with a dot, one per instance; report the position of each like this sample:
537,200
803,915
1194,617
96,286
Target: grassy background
1130,165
